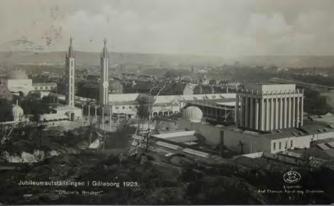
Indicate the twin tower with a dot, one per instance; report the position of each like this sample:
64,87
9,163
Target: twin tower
70,76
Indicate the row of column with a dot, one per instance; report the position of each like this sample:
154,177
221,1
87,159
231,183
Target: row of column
269,113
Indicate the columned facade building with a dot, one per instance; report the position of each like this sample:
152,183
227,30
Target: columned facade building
104,82
70,76
269,107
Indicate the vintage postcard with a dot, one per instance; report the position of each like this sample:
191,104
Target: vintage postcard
166,102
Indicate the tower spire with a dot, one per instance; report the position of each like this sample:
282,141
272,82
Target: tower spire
104,82
105,51
70,75
70,48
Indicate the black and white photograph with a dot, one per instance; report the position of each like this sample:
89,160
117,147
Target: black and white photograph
166,102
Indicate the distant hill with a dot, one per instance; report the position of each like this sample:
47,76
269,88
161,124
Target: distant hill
20,45
92,58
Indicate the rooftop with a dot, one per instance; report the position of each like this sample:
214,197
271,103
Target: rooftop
229,102
308,129
270,88
177,136
162,99
66,108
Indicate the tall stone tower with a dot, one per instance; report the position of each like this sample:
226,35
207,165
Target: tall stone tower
70,76
104,82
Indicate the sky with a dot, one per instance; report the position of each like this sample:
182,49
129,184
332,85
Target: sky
211,27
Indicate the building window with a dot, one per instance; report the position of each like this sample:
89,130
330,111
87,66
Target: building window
123,107
116,107
286,144
280,145
274,146
291,143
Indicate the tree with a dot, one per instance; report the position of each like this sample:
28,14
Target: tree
5,110
170,75
145,103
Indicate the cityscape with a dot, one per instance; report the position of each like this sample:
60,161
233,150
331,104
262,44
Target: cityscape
153,127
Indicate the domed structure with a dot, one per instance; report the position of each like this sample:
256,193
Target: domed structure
17,112
192,114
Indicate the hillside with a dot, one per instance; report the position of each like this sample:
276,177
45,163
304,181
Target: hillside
92,58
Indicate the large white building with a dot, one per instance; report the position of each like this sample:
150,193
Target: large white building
270,119
18,82
269,107
70,76
104,81
163,105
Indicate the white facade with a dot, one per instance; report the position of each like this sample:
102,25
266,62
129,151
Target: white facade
74,113
163,106
53,117
104,81
270,107
70,76
62,113
20,85
244,141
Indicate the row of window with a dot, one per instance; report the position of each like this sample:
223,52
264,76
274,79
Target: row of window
124,107
43,88
287,144
163,113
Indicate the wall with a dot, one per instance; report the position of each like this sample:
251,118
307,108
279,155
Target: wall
251,143
20,85
209,132
297,142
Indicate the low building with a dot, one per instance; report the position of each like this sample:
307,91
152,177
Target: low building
53,117
326,118
74,113
246,141
62,113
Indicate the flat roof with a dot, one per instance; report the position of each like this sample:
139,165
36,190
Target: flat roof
267,88
309,128
230,102
174,134
177,136
66,108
